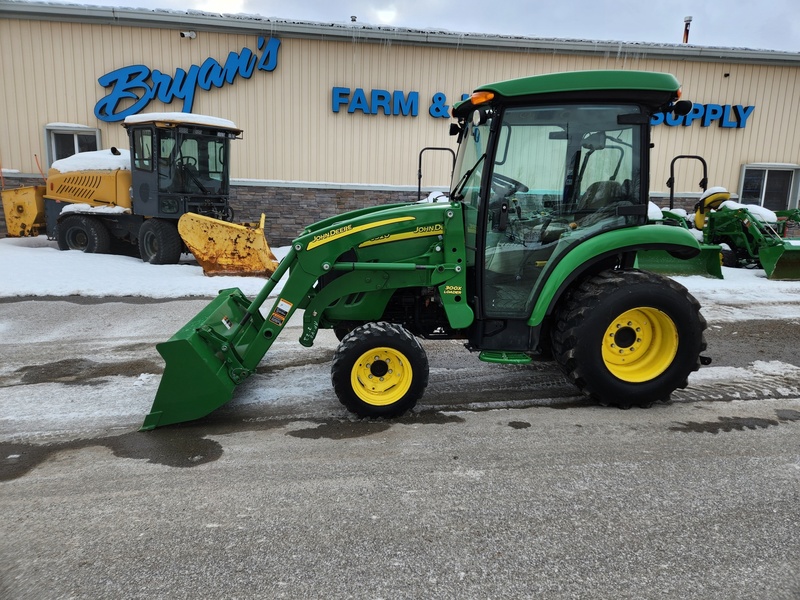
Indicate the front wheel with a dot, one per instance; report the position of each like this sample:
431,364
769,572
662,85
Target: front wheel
629,338
159,242
379,370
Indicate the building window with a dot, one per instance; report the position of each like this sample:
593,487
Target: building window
65,140
771,186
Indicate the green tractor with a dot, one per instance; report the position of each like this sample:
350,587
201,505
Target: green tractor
731,235
531,257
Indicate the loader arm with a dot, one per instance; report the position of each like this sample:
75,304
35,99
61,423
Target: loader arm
396,247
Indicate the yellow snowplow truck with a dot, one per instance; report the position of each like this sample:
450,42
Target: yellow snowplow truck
167,195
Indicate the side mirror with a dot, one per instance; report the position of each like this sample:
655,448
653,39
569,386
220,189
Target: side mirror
682,108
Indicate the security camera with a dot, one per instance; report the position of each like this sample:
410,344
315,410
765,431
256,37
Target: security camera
188,34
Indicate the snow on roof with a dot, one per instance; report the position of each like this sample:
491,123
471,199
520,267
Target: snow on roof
181,117
97,160
760,212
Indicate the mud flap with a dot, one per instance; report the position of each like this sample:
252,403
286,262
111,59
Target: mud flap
223,248
708,263
781,262
203,364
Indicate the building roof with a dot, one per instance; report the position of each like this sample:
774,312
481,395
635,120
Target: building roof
359,32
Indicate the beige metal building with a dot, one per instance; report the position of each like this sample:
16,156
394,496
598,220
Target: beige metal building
335,115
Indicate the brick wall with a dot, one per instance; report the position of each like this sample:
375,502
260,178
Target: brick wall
289,210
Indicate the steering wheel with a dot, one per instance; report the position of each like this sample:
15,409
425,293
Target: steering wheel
507,184
186,160
188,166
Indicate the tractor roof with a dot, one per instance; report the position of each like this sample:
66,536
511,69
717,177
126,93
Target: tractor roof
173,119
574,83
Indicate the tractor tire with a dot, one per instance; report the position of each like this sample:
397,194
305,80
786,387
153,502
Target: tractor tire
379,370
729,258
80,232
629,338
159,242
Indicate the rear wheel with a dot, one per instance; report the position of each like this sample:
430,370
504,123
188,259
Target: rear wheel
80,232
379,370
629,338
159,242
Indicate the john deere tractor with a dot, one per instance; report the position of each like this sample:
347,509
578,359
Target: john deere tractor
529,258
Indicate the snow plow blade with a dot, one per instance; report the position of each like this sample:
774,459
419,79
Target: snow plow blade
781,262
707,263
223,248
203,361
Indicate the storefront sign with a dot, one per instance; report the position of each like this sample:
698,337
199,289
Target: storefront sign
140,84
396,103
399,103
728,116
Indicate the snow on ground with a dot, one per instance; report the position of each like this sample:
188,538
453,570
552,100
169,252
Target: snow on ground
35,267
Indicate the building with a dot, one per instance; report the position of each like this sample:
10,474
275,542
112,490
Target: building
335,116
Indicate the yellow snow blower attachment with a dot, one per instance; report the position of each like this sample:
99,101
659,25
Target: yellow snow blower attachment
223,248
24,211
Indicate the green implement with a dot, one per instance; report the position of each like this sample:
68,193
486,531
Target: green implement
203,366
781,261
708,263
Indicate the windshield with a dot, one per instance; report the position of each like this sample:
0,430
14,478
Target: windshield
192,163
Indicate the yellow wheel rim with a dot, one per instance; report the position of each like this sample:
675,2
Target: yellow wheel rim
381,376
640,344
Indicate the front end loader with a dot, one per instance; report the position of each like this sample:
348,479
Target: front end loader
167,195
530,258
751,235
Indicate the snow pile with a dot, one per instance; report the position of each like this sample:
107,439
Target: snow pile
761,213
35,267
654,213
77,207
97,160
678,212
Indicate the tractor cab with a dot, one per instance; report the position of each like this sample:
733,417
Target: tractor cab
538,174
180,164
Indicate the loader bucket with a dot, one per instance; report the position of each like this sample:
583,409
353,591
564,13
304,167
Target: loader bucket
202,366
24,211
223,248
781,261
708,263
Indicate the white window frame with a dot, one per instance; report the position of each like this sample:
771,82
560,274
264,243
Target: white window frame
68,129
794,190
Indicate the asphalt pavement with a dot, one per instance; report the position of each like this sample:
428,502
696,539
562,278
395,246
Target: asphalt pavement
493,490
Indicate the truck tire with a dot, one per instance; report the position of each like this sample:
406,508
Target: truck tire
379,370
84,233
629,338
159,242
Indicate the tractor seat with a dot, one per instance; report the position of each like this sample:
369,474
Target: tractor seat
600,194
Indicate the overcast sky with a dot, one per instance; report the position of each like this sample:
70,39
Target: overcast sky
768,24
